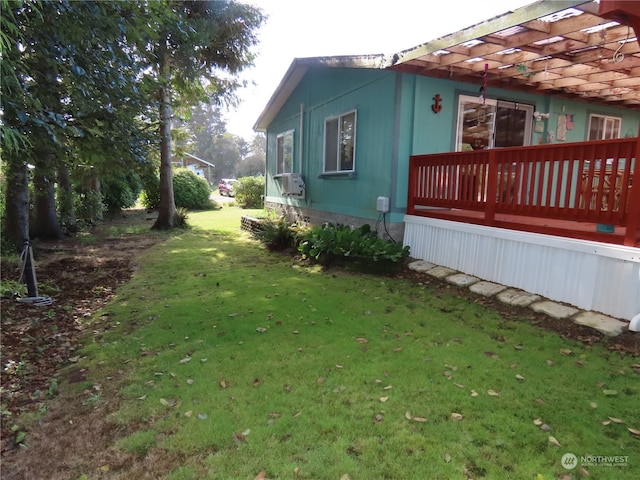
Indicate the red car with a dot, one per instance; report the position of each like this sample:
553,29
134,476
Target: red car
226,186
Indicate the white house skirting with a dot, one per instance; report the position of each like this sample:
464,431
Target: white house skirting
589,275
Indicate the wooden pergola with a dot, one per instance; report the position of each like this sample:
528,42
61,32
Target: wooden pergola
582,50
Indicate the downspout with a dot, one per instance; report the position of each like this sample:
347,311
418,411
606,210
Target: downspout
301,135
300,149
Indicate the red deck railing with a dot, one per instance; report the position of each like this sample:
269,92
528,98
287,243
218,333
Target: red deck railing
555,188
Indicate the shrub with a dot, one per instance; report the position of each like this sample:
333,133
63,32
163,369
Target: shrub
88,207
120,190
190,190
150,197
329,242
249,192
275,232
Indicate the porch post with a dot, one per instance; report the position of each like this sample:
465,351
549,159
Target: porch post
633,215
492,189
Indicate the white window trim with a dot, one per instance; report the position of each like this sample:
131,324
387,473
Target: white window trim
324,143
605,118
293,139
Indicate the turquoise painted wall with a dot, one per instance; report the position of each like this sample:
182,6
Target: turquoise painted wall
394,121
327,93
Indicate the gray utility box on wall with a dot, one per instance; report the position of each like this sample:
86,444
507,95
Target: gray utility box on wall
382,205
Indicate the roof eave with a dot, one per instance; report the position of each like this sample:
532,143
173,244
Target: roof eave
296,72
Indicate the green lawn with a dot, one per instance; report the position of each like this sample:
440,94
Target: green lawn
240,363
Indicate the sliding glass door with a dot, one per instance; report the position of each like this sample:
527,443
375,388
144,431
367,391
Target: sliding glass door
492,124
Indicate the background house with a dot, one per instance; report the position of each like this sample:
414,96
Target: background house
341,132
197,165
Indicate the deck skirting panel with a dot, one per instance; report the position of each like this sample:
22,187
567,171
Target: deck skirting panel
589,275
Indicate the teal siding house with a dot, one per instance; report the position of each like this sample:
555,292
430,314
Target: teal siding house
346,137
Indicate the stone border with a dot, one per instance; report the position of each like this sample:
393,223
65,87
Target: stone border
609,326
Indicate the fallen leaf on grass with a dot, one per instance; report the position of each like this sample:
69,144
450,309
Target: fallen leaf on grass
384,399
474,393
447,458
457,416
616,420
519,377
545,428
408,415
634,431
537,422
493,393
397,350
583,471
257,382
419,419
553,441
388,387
339,366
261,329
261,476
361,340
185,360
224,383
566,352
610,393
171,402
238,438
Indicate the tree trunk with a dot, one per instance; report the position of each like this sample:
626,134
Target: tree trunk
65,200
45,223
167,207
17,204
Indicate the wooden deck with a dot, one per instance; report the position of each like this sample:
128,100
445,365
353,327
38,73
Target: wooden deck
582,190
548,226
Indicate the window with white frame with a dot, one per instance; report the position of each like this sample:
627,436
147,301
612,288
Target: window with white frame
603,127
284,146
340,143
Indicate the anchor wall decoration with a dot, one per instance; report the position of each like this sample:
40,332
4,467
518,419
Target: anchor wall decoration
437,106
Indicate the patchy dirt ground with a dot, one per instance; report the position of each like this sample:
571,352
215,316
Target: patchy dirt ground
37,341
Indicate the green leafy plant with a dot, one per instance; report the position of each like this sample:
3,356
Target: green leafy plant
190,190
250,192
275,232
329,242
182,215
120,190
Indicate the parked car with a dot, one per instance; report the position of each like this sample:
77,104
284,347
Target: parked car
226,186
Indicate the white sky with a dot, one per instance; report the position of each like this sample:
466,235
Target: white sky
315,28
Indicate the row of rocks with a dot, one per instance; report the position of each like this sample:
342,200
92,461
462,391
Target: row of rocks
607,325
